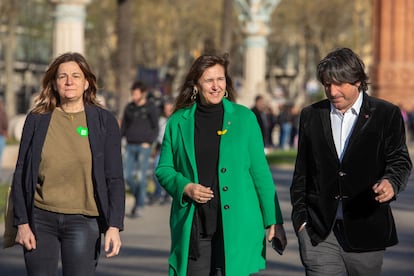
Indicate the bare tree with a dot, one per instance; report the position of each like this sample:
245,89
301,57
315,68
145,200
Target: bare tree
300,36
11,15
164,34
124,53
226,25
100,46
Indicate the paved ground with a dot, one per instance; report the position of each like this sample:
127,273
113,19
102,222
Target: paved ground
146,242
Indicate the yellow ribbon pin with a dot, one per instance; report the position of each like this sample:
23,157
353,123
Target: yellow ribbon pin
221,132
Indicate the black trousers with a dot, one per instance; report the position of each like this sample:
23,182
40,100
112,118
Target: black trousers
75,239
211,260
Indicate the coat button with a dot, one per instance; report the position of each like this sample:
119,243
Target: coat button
223,170
225,188
226,207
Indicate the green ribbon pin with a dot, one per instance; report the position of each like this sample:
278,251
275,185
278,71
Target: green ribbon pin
82,131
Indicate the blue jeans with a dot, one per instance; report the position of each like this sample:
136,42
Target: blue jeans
136,165
284,137
158,189
76,238
159,192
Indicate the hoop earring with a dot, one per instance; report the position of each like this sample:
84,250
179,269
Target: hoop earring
194,94
226,94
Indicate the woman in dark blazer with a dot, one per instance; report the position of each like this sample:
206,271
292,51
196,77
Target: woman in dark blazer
68,183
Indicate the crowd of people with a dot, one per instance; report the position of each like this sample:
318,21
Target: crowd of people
186,147
285,123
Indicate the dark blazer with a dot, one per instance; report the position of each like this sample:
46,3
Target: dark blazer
376,150
105,144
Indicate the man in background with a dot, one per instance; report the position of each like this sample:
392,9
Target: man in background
140,128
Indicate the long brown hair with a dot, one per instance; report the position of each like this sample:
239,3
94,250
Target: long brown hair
196,71
48,98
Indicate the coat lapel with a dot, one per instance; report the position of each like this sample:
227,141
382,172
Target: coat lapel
228,115
186,127
39,137
327,128
92,121
362,120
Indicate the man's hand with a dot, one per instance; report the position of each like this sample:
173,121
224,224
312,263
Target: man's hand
384,191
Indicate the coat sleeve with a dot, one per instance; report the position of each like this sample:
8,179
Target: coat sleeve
398,163
172,170
22,172
114,174
262,177
298,187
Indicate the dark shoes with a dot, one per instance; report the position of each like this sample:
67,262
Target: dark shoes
134,213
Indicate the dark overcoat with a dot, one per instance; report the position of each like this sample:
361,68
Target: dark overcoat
376,150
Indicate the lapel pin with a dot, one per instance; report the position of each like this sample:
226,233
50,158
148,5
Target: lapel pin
82,131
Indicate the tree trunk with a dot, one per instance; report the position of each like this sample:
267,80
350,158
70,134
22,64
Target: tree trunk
9,52
226,26
123,67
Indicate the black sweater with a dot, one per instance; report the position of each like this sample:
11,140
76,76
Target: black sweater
208,119
140,123
207,219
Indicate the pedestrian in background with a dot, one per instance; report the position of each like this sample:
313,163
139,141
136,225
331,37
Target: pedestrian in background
352,162
285,121
68,185
140,128
213,164
160,195
265,119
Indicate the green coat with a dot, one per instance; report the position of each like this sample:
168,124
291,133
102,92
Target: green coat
247,191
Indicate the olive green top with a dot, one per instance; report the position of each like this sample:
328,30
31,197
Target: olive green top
65,173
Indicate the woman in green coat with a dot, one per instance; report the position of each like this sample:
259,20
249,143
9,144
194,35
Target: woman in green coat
213,165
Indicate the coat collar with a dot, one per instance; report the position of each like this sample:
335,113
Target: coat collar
94,124
227,105
186,126
363,117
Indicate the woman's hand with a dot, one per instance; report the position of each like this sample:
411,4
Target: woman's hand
198,193
112,242
278,231
25,237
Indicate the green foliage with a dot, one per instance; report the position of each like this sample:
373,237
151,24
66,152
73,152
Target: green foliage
3,196
281,157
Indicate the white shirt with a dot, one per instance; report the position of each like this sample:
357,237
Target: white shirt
342,125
